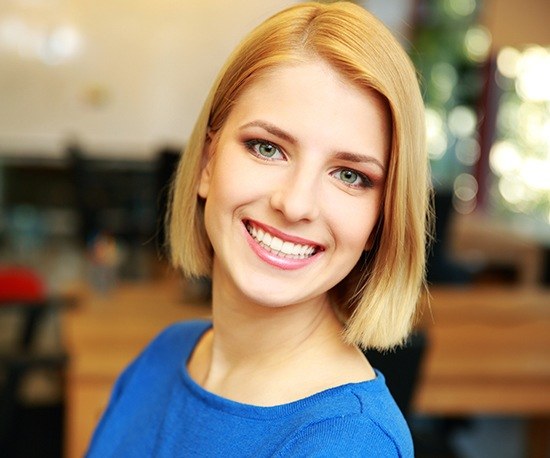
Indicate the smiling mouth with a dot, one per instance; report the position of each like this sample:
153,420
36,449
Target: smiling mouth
279,247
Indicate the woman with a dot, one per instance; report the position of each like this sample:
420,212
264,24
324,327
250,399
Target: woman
303,194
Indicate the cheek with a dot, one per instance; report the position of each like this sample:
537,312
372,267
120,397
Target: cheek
354,223
231,182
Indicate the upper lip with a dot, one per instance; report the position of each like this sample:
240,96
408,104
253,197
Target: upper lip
284,236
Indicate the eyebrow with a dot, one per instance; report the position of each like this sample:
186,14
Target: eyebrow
355,157
272,129
343,155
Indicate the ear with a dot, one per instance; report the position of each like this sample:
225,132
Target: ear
206,166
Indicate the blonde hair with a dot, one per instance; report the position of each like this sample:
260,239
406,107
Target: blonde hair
377,300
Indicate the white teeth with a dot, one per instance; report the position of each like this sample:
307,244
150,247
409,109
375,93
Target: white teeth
277,246
287,248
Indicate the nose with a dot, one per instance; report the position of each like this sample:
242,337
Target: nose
297,197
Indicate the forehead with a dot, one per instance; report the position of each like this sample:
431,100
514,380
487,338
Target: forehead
312,98
302,79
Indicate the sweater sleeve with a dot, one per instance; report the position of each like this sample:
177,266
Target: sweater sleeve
351,436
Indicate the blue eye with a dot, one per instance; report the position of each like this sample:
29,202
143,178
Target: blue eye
352,178
264,150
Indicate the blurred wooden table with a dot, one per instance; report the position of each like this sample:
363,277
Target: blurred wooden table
489,351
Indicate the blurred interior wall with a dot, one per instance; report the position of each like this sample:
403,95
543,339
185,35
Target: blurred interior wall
122,77
517,22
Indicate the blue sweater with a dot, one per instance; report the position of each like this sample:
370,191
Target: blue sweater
156,409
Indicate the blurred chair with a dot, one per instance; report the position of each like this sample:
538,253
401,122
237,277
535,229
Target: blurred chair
22,291
166,165
401,368
440,268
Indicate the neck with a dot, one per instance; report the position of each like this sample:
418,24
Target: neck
248,333
268,355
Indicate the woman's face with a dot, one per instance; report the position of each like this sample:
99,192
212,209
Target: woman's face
294,186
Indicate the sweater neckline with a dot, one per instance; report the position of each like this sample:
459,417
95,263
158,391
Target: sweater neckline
268,412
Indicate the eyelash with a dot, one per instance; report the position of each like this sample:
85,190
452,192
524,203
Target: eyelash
255,143
365,181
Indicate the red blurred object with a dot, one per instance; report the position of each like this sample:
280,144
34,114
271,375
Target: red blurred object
20,285
22,290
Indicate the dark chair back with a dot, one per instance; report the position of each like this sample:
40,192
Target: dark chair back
22,290
401,368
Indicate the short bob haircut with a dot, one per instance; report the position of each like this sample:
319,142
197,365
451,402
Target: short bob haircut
378,298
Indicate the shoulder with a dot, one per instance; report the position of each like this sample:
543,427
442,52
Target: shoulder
184,333
143,389
351,436
164,354
364,421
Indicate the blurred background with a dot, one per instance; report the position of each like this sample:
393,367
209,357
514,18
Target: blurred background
97,100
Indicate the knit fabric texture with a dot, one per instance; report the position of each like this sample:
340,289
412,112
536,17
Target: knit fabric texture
157,410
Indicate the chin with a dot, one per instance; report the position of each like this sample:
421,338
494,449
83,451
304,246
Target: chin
278,297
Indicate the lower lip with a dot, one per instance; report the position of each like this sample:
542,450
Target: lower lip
277,261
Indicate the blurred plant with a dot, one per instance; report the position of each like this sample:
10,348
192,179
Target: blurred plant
520,157
449,49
